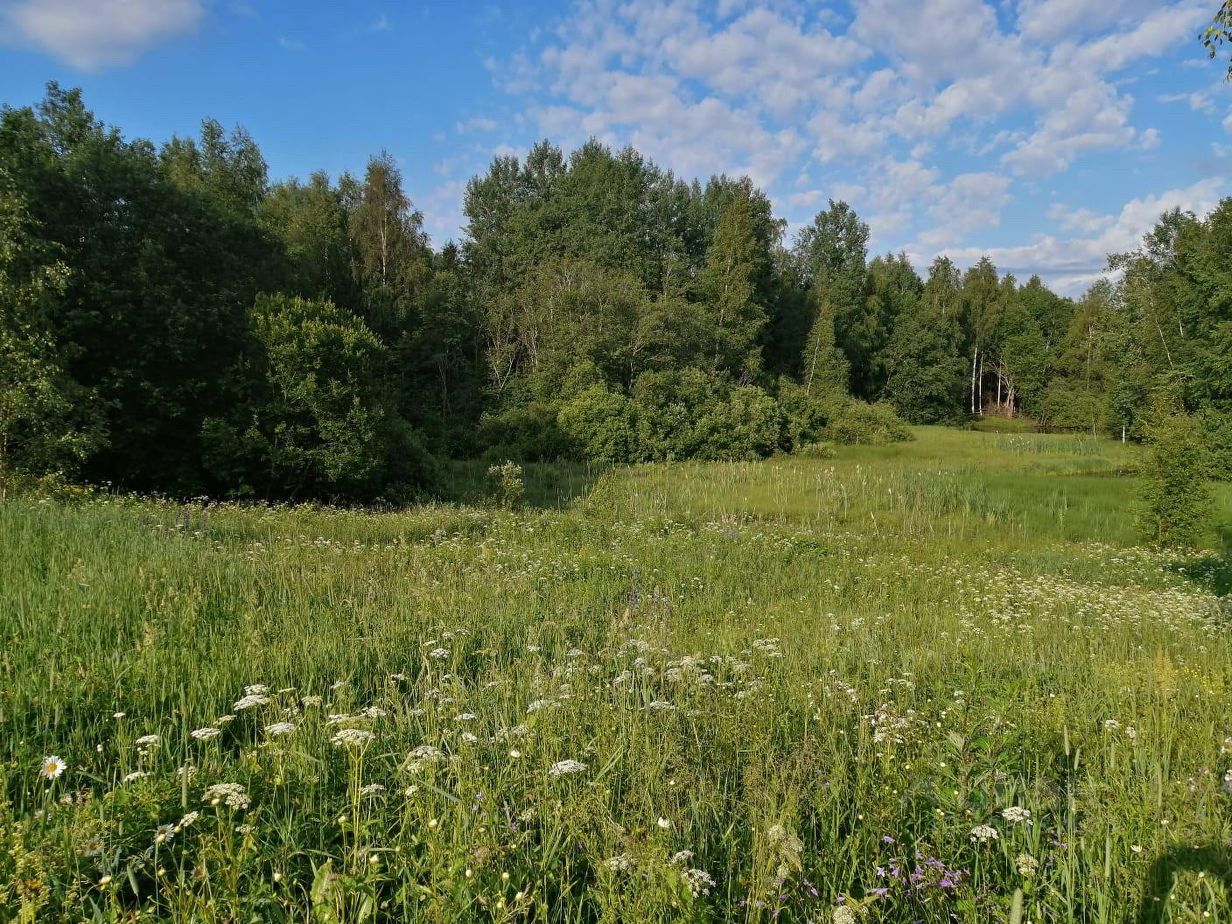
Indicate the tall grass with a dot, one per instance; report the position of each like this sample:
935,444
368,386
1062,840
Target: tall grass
907,684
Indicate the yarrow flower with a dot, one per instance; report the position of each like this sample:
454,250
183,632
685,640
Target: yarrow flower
187,820
1015,814
135,775
233,795
565,767
280,728
205,734
146,741
352,738
249,700
1026,864
620,863
700,882
982,834
52,768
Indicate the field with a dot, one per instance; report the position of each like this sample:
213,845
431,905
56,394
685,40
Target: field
935,681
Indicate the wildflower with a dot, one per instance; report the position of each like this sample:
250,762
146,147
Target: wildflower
982,834
205,734
311,700
93,847
373,712
1111,724
279,728
843,915
164,833
257,689
538,704
118,715
439,653
664,823
1131,733
146,741
224,719
353,737
1026,864
372,789
564,767
52,768
135,775
660,704
426,752
682,857
1015,814
233,795
249,700
187,820
620,863
469,738
699,881
464,717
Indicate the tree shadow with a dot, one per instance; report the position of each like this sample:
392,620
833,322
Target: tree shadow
1215,860
1213,571
548,485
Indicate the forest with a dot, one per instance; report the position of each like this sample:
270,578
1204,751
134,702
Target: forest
175,322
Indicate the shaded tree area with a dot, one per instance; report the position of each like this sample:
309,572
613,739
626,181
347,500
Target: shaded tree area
175,321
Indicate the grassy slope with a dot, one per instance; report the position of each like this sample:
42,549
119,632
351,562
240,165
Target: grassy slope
956,620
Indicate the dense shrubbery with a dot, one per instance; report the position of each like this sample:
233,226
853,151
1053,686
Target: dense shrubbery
171,321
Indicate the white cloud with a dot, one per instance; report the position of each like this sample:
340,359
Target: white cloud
95,34
1072,264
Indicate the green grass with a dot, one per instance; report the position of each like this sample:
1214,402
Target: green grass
785,680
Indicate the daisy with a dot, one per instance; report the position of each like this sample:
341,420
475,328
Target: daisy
52,768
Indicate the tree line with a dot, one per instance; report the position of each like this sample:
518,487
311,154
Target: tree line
174,321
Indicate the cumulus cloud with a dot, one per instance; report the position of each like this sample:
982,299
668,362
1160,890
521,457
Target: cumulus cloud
937,123
95,34
1074,263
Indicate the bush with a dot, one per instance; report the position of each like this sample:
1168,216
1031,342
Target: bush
506,484
527,432
690,415
805,415
1175,496
600,426
856,422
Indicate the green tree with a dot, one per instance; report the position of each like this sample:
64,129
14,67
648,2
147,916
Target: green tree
927,369
727,286
318,420
1176,500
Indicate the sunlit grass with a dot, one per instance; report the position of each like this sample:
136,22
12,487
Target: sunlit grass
784,685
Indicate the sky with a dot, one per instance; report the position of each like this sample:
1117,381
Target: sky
1045,133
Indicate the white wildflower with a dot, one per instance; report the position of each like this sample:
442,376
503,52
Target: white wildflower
982,834
279,728
352,737
205,734
1015,814
52,768
233,795
565,767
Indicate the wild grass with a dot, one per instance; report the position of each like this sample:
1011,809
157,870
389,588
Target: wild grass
934,681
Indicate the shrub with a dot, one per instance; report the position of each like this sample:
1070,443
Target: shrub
527,432
600,426
1175,497
856,422
506,484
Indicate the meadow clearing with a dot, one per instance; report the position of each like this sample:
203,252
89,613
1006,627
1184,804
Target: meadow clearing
933,681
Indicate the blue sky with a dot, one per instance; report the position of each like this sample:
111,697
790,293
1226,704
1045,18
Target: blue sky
1045,132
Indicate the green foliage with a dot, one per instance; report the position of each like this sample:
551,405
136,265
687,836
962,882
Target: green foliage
1175,498
319,421
746,661
507,486
857,422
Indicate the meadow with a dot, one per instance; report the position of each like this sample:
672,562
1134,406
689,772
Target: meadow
932,681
